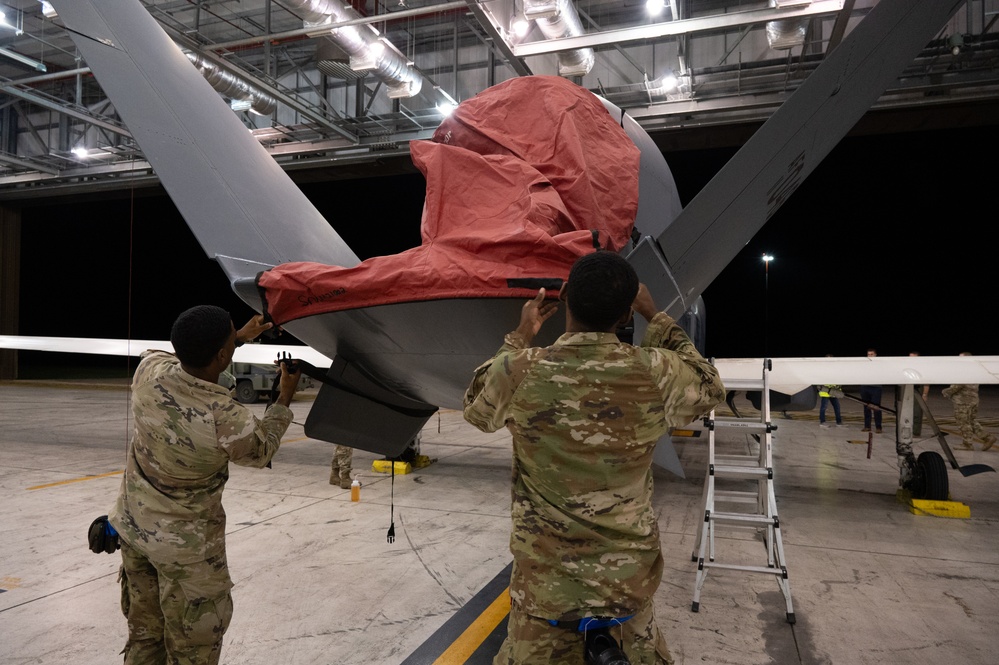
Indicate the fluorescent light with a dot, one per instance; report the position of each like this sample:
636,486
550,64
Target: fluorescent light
80,152
13,55
48,11
445,108
655,7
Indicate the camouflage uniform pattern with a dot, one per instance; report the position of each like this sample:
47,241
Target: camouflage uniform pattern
965,400
169,508
341,466
177,613
585,414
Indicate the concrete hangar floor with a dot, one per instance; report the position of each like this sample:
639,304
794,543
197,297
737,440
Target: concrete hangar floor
317,582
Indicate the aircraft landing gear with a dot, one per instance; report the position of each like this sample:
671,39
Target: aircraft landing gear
929,477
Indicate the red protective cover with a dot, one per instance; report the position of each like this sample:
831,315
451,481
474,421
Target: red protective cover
522,179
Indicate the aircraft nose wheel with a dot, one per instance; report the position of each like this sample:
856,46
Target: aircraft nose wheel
929,478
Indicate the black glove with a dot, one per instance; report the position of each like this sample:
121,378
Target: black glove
102,537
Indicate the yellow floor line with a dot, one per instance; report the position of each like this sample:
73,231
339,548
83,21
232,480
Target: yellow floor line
115,473
476,633
75,480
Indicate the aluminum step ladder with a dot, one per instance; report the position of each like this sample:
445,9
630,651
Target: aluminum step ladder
724,485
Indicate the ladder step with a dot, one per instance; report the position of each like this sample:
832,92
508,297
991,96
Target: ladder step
781,571
741,518
721,471
744,423
736,497
738,460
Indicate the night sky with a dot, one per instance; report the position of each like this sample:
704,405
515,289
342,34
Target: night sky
890,243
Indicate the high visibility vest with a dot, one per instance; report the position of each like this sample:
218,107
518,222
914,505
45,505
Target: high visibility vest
825,390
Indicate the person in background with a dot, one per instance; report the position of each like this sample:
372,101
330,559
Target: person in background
871,396
340,469
965,400
175,584
829,394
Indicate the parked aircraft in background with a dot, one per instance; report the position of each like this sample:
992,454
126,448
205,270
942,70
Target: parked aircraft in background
393,364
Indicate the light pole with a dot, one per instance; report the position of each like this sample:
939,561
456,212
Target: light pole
767,258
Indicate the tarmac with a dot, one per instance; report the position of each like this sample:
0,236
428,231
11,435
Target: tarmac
316,580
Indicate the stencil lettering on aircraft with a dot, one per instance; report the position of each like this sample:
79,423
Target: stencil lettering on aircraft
783,188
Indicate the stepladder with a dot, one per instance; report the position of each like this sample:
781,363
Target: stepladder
739,499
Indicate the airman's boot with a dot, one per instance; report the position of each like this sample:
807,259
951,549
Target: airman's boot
990,440
335,475
967,445
344,481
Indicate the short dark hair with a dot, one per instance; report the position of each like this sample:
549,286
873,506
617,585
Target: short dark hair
601,289
199,333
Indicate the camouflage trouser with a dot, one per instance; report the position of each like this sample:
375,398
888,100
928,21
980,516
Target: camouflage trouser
342,457
534,641
966,416
176,614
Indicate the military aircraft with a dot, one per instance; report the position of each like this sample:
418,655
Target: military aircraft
392,363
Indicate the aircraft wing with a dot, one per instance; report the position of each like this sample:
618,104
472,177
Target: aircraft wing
255,354
791,375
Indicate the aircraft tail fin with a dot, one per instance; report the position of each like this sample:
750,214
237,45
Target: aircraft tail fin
354,410
732,208
236,199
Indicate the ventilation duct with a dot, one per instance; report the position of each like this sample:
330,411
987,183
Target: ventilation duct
233,87
361,44
785,34
557,19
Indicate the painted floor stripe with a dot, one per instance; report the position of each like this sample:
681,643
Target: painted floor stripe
473,635
115,473
75,480
476,634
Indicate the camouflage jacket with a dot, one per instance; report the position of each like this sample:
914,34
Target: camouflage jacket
585,414
186,431
966,393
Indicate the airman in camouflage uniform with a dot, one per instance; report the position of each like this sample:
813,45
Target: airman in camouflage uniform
965,400
175,584
340,468
585,414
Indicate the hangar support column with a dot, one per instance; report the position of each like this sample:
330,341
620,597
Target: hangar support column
10,284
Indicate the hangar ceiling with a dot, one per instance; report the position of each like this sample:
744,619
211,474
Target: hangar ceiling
334,90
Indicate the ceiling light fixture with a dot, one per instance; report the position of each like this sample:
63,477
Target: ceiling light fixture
519,25
956,41
655,7
23,59
664,84
4,23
